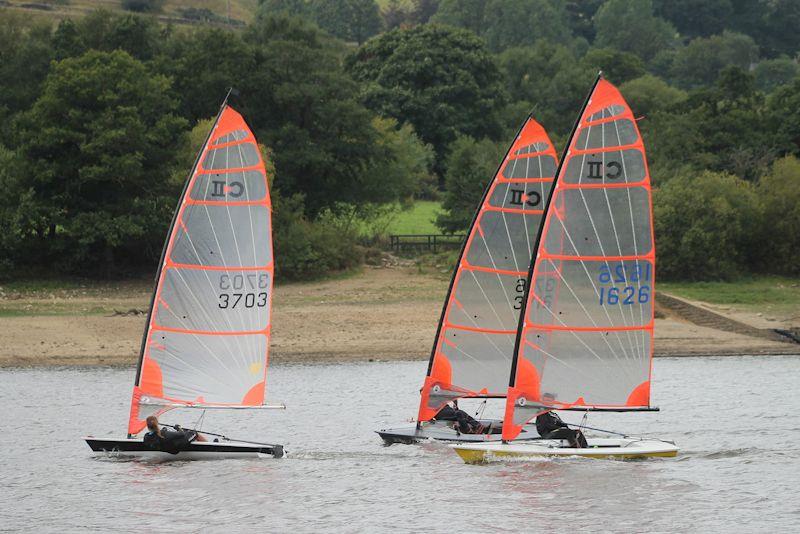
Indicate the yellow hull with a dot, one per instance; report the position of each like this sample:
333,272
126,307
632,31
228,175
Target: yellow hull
478,456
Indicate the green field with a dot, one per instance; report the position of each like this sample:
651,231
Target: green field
773,292
416,220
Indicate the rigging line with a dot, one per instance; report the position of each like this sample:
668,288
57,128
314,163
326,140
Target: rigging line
602,252
636,246
619,248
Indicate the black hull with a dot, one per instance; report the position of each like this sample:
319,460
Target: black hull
194,451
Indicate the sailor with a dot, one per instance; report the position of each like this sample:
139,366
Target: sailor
550,426
462,421
171,440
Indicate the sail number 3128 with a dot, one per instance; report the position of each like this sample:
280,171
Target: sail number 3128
629,275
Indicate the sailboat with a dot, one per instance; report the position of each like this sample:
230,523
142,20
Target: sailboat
585,336
206,339
473,349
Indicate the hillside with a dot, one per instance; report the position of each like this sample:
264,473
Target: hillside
176,11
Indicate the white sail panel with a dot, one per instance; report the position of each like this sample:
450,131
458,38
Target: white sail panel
208,331
473,349
586,334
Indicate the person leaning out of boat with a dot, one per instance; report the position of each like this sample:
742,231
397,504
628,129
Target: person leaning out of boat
171,440
550,426
462,421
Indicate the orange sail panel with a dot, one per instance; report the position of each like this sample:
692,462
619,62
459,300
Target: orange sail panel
208,332
586,337
474,343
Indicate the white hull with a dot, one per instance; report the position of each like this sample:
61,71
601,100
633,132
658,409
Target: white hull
623,448
444,431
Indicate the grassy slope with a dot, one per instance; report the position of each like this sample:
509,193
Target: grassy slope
764,292
242,10
417,220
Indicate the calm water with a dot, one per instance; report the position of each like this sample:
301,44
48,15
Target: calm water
735,419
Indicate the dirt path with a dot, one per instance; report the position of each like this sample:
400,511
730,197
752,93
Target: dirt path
379,314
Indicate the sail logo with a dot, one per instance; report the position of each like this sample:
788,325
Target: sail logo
221,189
533,200
596,170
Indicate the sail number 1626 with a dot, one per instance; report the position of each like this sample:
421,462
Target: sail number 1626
627,275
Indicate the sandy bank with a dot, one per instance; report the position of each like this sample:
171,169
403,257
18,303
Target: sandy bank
380,314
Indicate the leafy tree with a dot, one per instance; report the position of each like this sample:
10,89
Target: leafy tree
351,20
470,166
25,55
771,73
618,67
706,226
547,79
701,61
696,18
99,144
143,6
772,23
439,79
305,108
521,22
581,13
649,94
783,108
404,162
631,26
467,14
779,193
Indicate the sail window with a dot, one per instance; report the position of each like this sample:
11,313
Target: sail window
227,187
610,111
620,132
231,157
536,167
540,146
236,135
613,167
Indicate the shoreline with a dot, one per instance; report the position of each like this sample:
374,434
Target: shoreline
379,314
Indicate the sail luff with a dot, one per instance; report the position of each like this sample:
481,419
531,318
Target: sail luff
585,344
478,316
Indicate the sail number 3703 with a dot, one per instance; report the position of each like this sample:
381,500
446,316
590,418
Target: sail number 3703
632,289
242,291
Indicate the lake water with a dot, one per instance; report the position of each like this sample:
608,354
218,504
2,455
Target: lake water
734,418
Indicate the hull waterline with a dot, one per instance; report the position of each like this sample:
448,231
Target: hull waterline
625,448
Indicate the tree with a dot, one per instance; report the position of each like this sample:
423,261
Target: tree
303,106
439,79
696,18
547,79
779,195
404,161
470,167
351,20
706,226
772,23
99,144
701,61
467,14
521,22
143,6
771,73
649,94
783,108
618,67
631,26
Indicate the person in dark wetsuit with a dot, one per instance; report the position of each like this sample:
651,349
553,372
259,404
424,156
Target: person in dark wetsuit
550,426
167,439
462,421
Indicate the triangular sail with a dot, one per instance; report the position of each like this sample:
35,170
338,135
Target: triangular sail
474,344
207,336
586,334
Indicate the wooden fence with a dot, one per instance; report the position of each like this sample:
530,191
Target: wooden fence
424,242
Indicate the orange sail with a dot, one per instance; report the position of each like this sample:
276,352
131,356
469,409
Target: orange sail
586,330
207,336
474,344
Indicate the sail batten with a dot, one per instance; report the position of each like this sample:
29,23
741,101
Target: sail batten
207,336
585,337
473,349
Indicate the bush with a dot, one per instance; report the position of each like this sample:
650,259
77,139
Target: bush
305,249
779,195
706,227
